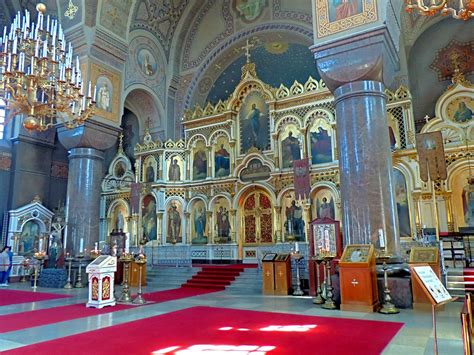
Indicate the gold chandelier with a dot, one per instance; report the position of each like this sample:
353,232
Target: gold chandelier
39,79
463,11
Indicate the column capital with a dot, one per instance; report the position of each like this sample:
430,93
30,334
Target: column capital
368,56
91,134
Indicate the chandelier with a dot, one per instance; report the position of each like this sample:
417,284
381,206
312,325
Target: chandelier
463,11
39,80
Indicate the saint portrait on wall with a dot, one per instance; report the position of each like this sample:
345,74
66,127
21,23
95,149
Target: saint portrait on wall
222,218
199,164
254,123
461,109
29,238
173,234
468,202
290,149
401,199
149,218
119,215
342,9
324,201
249,10
221,159
294,223
321,146
104,94
147,62
198,217
174,170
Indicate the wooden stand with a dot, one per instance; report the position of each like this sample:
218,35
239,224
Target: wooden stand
134,274
358,279
423,256
268,274
283,274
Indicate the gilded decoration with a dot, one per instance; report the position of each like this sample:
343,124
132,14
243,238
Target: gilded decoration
342,15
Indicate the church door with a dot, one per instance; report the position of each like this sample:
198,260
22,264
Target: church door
258,226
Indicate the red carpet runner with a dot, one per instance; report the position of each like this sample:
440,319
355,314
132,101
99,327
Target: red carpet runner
30,319
8,297
200,329
214,277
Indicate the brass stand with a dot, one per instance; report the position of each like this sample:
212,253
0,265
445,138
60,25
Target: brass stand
24,268
318,299
68,284
79,272
297,256
125,297
39,256
329,303
141,260
387,307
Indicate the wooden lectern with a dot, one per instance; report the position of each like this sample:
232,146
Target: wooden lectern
268,274
134,274
283,274
423,256
358,279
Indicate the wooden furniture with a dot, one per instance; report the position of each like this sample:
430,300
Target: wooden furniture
316,243
268,274
424,256
358,279
134,274
101,281
283,285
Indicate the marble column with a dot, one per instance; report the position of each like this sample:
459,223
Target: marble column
86,171
352,70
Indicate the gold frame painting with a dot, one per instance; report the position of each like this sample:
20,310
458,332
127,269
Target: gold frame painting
99,73
326,26
424,255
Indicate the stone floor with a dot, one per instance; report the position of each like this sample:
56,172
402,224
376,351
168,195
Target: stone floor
416,337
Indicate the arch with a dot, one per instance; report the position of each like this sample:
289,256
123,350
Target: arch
213,200
195,199
288,120
195,139
115,203
320,113
217,134
248,189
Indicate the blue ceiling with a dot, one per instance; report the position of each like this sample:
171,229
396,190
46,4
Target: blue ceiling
277,63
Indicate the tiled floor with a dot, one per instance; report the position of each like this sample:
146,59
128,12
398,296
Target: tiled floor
416,337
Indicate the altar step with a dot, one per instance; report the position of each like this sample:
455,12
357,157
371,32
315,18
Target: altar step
169,276
460,281
248,282
214,277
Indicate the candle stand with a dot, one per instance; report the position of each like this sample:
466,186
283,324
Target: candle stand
125,297
79,272
40,257
24,267
297,256
387,307
68,284
318,299
329,302
141,261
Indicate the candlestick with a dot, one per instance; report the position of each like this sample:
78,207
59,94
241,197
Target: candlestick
381,239
81,245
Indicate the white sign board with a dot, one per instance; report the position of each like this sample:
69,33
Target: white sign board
432,283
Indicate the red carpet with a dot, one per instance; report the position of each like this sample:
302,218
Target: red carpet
195,330
8,297
30,319
215,277
23,320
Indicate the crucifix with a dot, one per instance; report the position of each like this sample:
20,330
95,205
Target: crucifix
247,48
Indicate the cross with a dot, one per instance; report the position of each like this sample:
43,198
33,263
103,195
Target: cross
354,282
148,123
267,274
247,48
280,273
121,140
427,118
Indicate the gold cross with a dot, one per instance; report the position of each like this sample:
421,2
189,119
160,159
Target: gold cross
354,282
280,273
267,274
247,48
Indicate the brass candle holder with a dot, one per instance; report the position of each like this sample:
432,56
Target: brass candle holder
387,306
25,265
318,299
78,283
297,256
68,284
329,302
40,256
94,254
125,297
141,261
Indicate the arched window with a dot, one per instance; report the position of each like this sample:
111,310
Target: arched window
3,113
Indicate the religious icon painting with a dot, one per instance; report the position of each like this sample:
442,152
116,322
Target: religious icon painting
107,83
175,166
150,168
146,62
174,212
342,9
199,223
320,139
222,220
29,238
462,186
290,146
222,158
254,123
401,199
199,161
249,10
461,110
149,226
324,202
118,218
292,217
